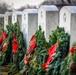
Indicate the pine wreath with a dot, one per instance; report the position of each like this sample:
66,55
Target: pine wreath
18,49
62,38
34,56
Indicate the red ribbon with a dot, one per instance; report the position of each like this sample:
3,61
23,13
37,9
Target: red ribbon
51,51
14,45
72,49
15,40
13,35
32,38
31,47
4,46
1,40
25,60
4,34
44,65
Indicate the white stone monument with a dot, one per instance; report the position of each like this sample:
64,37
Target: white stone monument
68,21
48,18
17,17
29,23
7,19
1,19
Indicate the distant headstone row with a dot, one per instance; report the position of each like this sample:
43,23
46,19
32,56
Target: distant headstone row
48,16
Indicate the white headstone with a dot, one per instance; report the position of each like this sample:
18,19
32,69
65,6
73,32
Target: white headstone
7,19
17,16
48,18
68,21
29,23
1,19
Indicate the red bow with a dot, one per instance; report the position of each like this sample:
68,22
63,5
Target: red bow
4,46
14,45
2,37
1,40
31,47
13,35
32,38
45,65
4,34
15,40
51,51
72,49
25,60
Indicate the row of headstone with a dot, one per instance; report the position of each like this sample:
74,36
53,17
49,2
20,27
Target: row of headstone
48,16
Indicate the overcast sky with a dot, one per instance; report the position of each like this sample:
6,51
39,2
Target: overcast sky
19,3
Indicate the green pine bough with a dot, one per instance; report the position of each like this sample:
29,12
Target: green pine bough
62,38
68,66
